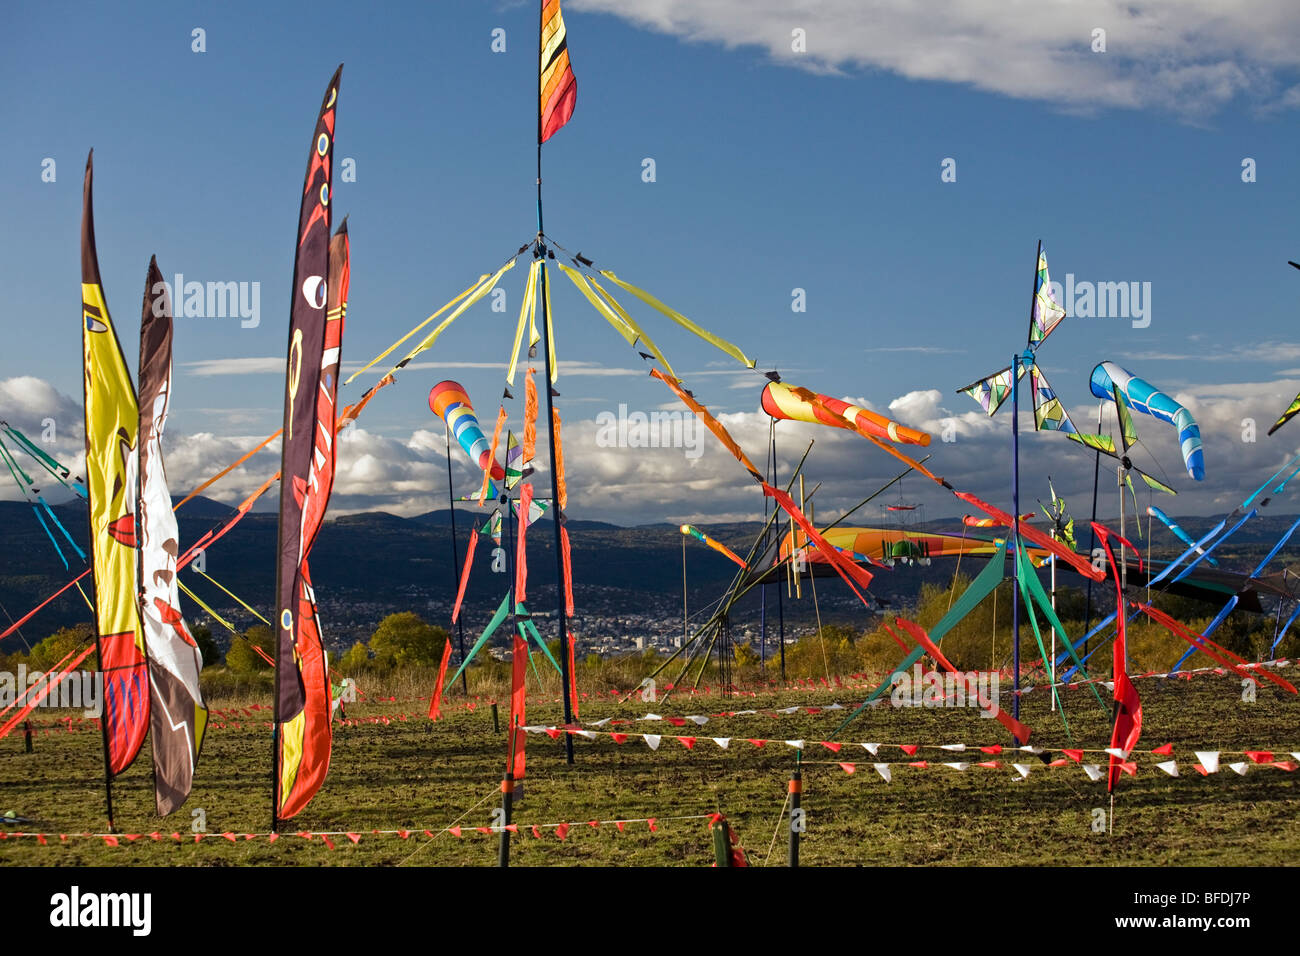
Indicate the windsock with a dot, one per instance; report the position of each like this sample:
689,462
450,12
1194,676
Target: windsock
449,402
780,401
1144,397
718,546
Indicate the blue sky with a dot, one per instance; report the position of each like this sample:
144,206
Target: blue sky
774,171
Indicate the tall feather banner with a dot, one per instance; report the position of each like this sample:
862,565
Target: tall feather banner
302,692
112,430
178,716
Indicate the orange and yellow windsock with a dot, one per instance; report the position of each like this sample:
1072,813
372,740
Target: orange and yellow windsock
784,401
556,83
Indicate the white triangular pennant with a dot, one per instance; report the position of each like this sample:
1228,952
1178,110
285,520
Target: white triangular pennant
1209,760
956,747
651,717
871,748
884,771
723,742
699,720
796,744
652,740
1239,768
1022,769
1093,771
1170,767
957,766
1117,753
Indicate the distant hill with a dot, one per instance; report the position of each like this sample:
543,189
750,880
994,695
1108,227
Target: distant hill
366,565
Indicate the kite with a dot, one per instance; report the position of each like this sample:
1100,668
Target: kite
784,402
994,389
885,547
694,532
1290,413
1107,378
302,691
112,429
178,716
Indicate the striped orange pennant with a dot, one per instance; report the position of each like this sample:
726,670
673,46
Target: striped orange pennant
556,84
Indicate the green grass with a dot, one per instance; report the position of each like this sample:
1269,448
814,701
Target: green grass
414,774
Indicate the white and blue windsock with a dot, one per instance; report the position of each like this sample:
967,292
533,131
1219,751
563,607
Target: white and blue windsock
1144,397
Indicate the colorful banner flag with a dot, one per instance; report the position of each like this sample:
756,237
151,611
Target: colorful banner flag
302,692
557,87
112,431
178,716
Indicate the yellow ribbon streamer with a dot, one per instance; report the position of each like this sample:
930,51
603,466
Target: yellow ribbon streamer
550,328
478,293
527,310
620,326
681,320
631,323
242,603
211,613
392,348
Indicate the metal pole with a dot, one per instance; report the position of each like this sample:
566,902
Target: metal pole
796,796
455,569
684,618
556,515
1015,516
780,591
1015,492
507,802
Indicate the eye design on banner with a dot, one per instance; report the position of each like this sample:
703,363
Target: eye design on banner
315,290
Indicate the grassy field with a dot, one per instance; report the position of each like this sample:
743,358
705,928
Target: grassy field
414,774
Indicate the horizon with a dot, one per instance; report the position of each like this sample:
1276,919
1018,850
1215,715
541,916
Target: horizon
761,202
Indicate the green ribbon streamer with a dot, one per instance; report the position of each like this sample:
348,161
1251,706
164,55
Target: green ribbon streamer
1030,578
493,624
979,589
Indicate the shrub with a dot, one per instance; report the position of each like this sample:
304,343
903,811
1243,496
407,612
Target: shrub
242,659
58,645
405,639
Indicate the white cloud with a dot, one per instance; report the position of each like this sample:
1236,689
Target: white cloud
405,474
1191,57
262,365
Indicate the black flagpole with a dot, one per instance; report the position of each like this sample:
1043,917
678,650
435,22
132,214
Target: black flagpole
557,516
455,567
